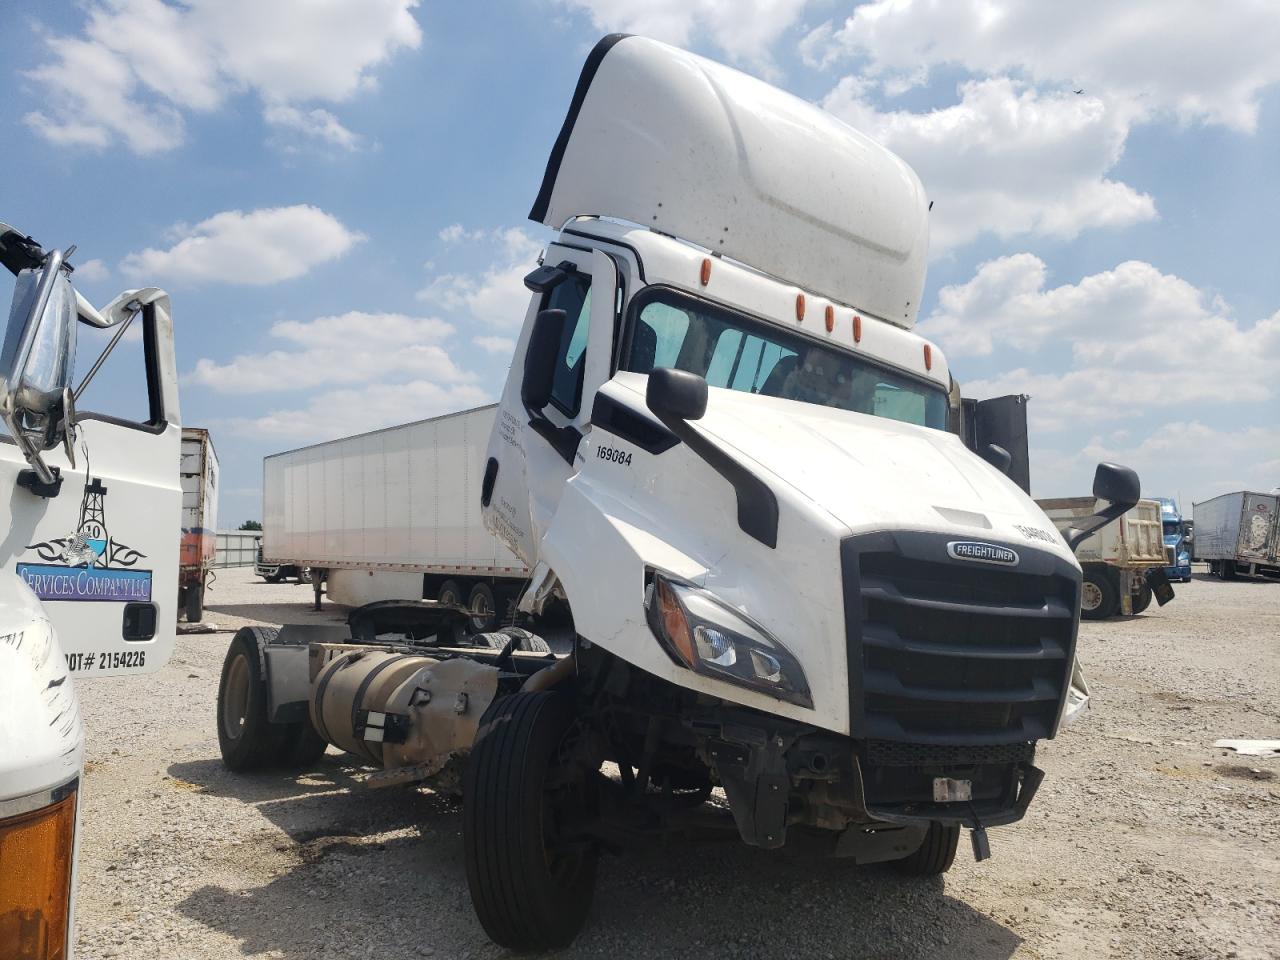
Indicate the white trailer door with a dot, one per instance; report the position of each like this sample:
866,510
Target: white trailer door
1257,527
102,555
526,470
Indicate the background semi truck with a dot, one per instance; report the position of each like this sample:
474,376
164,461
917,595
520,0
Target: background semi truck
199,474
1119,559
88,561
722,447
1238,534
393,515
1177,536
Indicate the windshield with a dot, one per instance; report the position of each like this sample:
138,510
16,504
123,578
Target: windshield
1172,528
733,351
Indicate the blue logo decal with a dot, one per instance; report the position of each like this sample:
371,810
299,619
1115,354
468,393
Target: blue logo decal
53,582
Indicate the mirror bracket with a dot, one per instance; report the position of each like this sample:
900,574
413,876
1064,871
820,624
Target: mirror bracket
31,480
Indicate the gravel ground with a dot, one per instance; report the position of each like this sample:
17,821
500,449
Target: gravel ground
1145,840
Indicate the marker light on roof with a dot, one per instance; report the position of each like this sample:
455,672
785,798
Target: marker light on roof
706,271
831,318
928,357
857,329
799,308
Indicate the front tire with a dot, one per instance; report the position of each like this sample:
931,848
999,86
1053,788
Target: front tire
935,855
247,739
529,892
1100,596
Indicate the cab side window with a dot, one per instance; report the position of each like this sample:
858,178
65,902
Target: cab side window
119,390
573,296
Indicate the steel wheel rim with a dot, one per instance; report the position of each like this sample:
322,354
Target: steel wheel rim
1091,596
481,612
235,698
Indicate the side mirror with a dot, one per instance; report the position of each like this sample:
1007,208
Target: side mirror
676,394
1117,485
36,361
1120,488
540,359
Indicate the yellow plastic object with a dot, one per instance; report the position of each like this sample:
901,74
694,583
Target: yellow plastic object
35,881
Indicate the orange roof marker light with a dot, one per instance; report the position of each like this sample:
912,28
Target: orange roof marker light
831,318
799,308
706,271
928,357
857,329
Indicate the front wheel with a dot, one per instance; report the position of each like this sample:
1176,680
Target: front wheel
936,853
531,882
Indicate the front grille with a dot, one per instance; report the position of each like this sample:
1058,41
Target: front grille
958,653
891,753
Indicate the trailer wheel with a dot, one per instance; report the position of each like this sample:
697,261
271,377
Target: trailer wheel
529,891
193,602
247,739
484,608
1143,599
1099,596
935,855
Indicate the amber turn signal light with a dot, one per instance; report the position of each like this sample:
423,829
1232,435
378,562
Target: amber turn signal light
35,881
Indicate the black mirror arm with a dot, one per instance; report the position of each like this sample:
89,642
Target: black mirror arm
1076,534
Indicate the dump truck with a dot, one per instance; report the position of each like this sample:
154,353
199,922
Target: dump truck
393,514
1239,535
723,451
199,473
88,564
1124,562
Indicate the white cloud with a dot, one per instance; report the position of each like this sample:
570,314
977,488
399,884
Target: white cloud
340,413
139,64
744,29
252,249
499,345
1196,61
316,124
1006,159
495,296
92,271
1135,340
352,348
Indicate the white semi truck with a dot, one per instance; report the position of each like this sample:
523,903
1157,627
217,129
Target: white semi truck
393,514
722,447
88,565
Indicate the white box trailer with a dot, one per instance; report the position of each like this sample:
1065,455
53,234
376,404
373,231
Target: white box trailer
1239,534
1116,558
199,475
393,515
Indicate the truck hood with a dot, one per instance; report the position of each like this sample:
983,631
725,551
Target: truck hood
871,473
41,736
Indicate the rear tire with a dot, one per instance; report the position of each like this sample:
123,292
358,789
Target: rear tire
194,602
1100,596
935,855
1142,600
247,739
528,894
484,608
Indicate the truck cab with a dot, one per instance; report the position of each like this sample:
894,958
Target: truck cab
88,558
1177,536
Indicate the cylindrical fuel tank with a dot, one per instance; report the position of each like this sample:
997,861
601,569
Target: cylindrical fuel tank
360,680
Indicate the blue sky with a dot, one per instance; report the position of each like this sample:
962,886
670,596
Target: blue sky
334,192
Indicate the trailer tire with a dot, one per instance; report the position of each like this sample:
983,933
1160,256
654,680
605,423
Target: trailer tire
193,602
1143,599
484,608
935,855
527,895
1099,595
247,739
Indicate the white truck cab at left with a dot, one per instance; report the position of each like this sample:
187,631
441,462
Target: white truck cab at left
88,561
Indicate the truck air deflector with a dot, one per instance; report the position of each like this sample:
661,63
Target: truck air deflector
944,651
671,141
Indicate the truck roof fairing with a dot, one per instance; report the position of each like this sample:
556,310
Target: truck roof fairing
695,149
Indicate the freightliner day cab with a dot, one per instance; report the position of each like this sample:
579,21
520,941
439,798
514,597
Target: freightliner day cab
88,564
723,450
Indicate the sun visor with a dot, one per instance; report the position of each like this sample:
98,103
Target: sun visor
669,140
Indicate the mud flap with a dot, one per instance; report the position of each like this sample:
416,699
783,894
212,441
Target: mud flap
1160,586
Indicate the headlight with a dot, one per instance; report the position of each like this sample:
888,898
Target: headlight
36,849
708,637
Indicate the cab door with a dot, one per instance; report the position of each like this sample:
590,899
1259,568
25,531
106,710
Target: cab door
101,553
532,453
